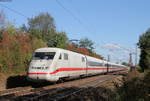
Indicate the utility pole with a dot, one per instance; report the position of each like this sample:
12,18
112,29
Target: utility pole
108,60
130,59
135,54
130,62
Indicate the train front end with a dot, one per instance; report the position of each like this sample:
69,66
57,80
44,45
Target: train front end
40,65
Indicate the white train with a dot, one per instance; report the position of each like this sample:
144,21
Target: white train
53,64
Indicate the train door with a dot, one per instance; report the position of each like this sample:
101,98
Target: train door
59,62
66,60
103,66
65,63
86,70
107,67
83,64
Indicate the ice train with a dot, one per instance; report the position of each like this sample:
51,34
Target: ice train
53,64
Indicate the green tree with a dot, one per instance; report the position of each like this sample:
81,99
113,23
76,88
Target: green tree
42,22
43,27
86,43
2,23
144,45
125,63
58,39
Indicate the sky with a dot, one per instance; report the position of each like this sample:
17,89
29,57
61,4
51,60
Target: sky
113,25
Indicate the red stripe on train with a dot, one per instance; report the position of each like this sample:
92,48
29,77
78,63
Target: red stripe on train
37,73
76,69
68,69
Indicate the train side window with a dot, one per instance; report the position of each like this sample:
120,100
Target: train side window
92,63
65,56
83,59
60,57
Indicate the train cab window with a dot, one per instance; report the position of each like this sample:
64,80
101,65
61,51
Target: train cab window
65,56
83,59
60,57
43,55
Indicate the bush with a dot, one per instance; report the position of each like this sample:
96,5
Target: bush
135,89
16,51
139,69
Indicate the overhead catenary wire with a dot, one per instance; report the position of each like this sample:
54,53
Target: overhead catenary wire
73,15
128,50
15,11
86,21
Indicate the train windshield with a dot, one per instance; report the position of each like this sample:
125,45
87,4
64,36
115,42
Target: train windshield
43,55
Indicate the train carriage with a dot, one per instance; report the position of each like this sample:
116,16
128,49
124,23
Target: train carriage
53,64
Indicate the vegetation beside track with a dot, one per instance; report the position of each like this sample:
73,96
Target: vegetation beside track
135,87
18,43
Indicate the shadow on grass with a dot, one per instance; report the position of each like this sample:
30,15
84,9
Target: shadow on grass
88,94
21,81
72,94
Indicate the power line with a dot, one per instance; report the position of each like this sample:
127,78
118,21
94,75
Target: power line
77,19
19,13
60,4
73,15
80,22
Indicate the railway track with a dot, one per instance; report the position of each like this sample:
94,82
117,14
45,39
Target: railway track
59,93
15,90
53,92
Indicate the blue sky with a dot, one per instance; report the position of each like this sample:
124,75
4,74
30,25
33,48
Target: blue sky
103,21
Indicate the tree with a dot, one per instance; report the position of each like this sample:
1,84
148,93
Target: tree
84,51
144,45
125,63
42,22
43,27
86,43
58,39
2,23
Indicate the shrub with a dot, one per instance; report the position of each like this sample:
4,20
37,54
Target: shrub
135,89
139,69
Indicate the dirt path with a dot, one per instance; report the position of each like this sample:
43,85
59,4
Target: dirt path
3,80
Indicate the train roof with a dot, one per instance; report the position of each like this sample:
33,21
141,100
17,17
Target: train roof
47,49
51,49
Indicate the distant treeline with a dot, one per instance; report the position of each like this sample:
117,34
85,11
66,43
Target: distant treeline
17,44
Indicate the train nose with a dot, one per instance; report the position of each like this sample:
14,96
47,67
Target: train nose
39,69
38,72
37,76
